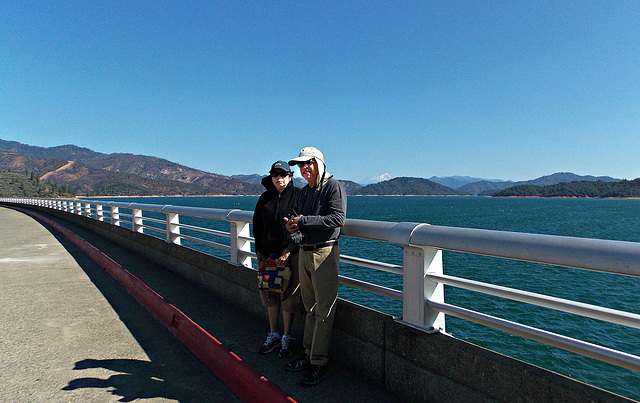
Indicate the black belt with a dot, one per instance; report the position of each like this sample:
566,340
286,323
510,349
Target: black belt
311,248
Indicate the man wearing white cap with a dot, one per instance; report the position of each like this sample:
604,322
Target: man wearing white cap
322,207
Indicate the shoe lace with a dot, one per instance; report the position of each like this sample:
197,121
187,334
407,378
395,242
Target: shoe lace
270,339
285,343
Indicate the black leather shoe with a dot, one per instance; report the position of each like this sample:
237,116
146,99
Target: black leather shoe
299,364
313,375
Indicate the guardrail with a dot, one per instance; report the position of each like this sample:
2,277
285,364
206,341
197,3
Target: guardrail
423,299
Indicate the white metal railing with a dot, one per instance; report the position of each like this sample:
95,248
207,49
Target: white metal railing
422,269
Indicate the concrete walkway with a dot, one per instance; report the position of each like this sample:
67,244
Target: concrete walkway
79,337
71,334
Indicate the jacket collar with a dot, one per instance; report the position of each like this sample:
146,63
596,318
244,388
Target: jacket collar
271,188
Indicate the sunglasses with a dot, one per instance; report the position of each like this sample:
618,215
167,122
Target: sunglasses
301,164
279,174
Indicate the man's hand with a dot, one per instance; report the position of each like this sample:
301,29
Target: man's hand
292,223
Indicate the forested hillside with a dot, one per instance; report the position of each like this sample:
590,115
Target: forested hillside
407,186
598,189
29,185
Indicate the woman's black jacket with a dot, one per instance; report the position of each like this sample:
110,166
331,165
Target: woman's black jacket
268,218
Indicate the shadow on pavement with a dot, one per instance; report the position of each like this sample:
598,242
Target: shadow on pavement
172,372
136,379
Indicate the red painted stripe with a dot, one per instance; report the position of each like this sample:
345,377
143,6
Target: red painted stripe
247,383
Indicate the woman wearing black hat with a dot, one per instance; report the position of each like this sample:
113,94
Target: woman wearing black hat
277,202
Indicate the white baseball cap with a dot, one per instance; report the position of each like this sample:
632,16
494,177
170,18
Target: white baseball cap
306,154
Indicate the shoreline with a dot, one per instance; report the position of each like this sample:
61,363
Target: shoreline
361,195
209,195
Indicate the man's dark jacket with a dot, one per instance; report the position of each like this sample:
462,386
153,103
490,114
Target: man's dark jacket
323,209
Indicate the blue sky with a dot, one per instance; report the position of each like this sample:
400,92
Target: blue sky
490,89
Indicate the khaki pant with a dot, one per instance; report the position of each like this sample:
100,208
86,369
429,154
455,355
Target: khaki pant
318,272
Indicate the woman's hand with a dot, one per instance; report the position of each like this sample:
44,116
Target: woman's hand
282,260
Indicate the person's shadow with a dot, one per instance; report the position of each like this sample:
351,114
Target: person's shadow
136,379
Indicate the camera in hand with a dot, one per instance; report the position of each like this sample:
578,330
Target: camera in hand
296,238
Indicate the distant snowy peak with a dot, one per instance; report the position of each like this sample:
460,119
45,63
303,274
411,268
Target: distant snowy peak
456,182
376,179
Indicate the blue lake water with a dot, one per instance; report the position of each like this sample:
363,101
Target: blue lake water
593,218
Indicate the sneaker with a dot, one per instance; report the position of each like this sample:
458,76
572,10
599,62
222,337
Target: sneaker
313,375
299,364
286,349
272,342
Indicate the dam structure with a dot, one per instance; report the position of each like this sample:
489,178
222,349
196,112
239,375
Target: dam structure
395,358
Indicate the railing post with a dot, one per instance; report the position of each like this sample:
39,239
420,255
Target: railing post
78,208
173,228
240,230
115,216
136,220
87,209
99,212
418,262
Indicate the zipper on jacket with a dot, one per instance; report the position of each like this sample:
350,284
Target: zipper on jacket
275,216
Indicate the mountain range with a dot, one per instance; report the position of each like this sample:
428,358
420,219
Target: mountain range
407,186
483,187
456,182
90,173
590,189
489,188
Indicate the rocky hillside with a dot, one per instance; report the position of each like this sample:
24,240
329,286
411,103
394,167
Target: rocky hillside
90,173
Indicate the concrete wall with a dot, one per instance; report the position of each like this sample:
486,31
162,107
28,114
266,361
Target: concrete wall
415,365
